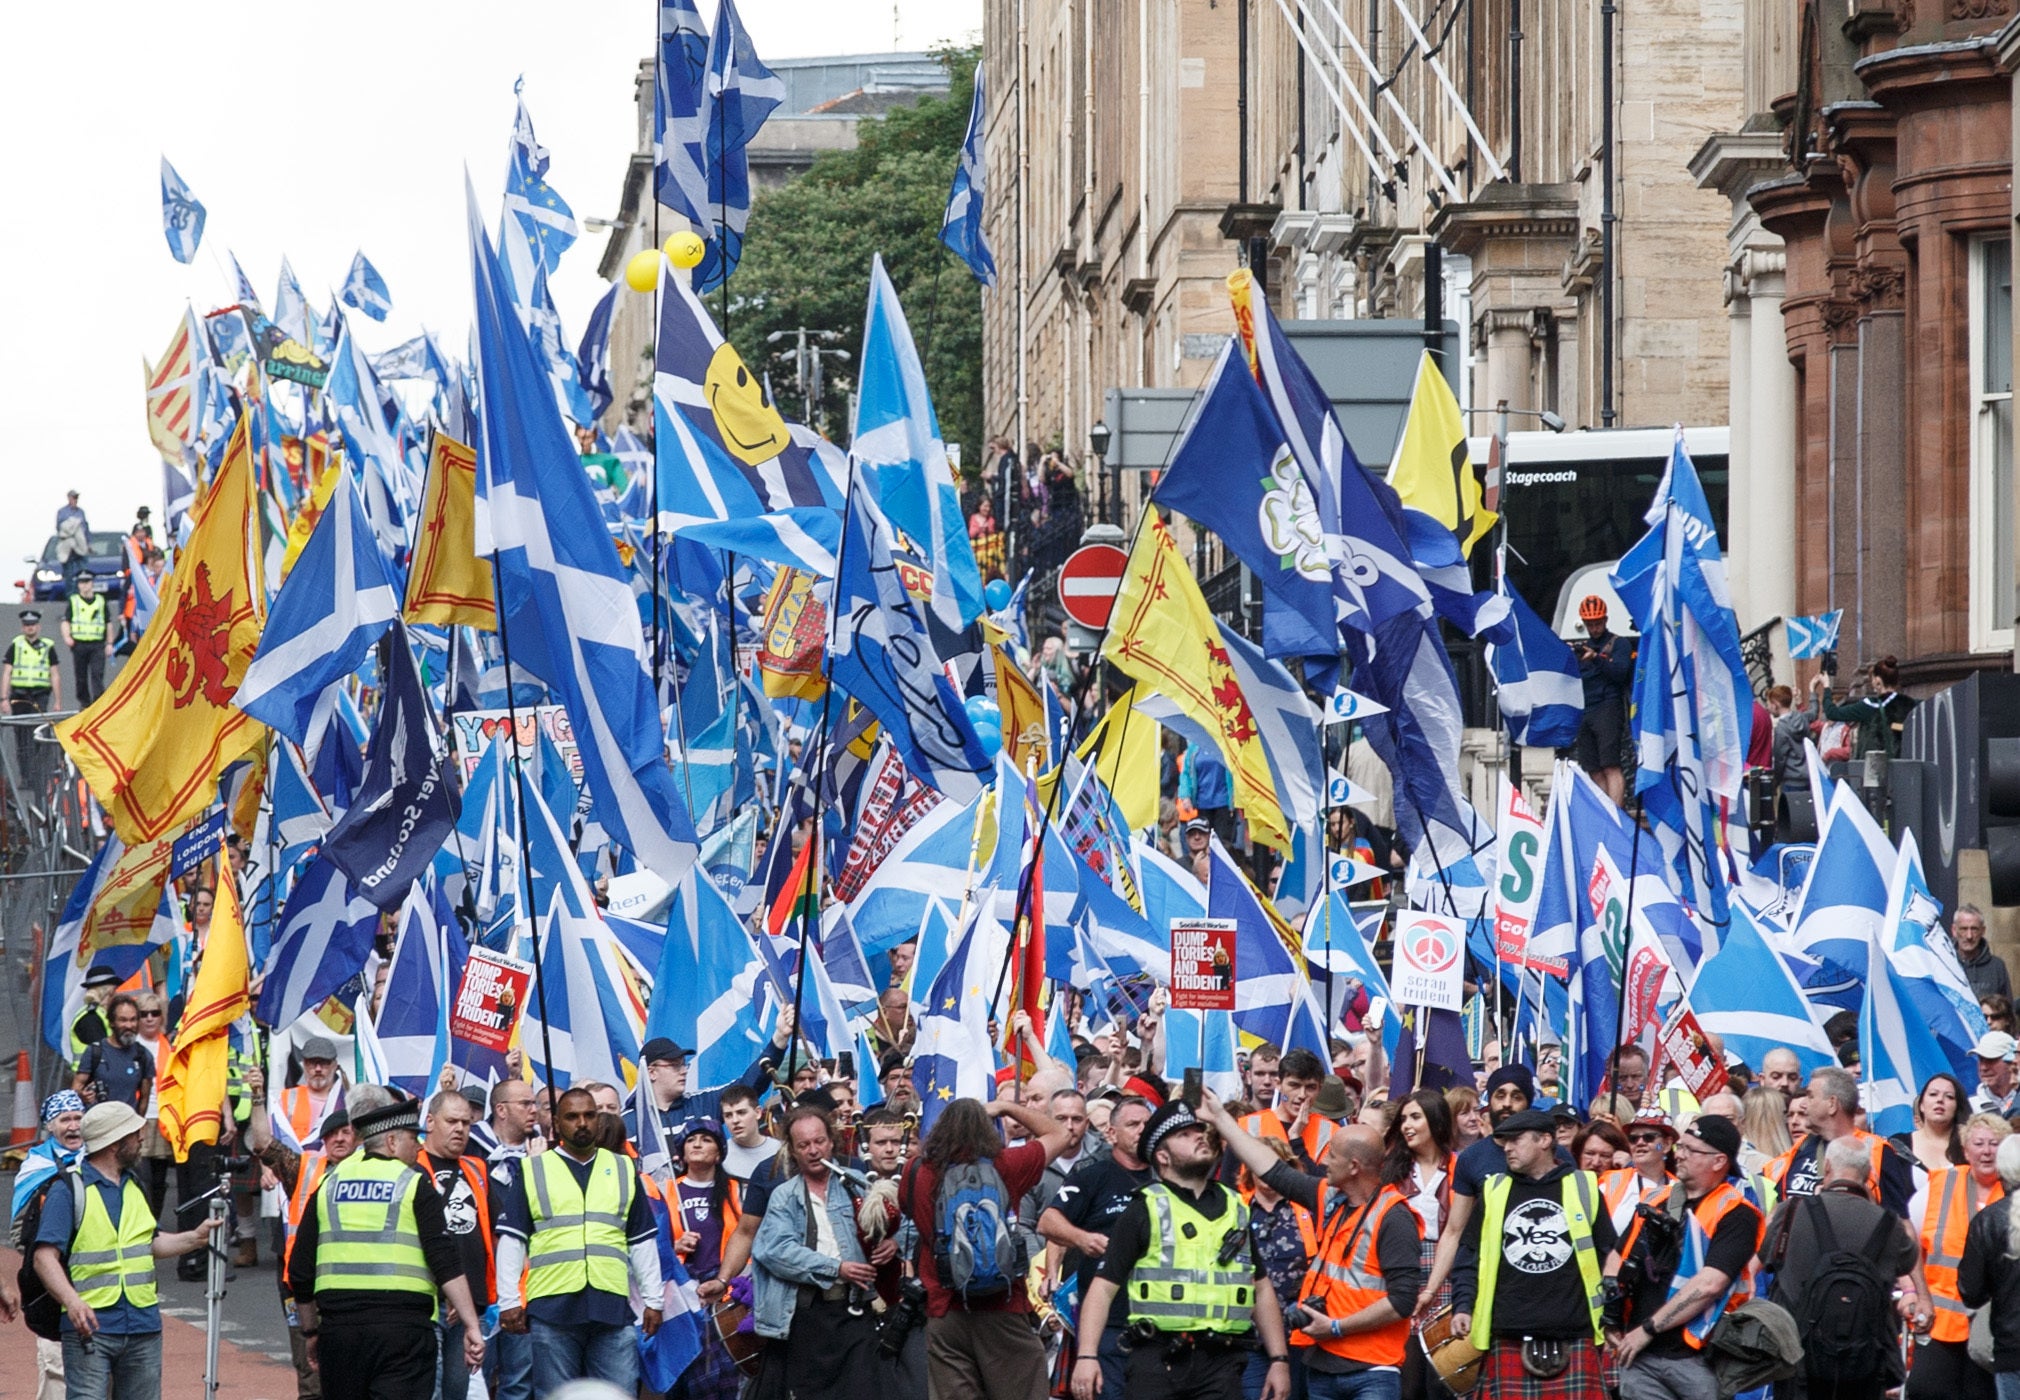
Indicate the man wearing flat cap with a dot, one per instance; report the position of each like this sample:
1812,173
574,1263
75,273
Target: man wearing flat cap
374,1260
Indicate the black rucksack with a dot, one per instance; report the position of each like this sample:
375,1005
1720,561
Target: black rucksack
1845,1313
39,1308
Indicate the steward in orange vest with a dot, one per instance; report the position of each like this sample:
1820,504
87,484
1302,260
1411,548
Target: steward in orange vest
1955,1196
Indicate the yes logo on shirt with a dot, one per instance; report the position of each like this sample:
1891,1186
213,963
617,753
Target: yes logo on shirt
1536,1237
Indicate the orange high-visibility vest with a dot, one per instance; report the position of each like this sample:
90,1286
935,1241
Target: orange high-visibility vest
1708,1213
479,1179
1778,1169
300,1109
1347,1273
1314,1140
1955,1196
308,1176
1623,1189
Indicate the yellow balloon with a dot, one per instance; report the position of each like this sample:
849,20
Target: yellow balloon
641,274
684,249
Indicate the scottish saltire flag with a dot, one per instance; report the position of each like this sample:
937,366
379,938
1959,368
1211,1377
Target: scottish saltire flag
291,308
1813,635
336,603
413,1022
592,356
1339,946
575,623
1202,1040
961,228
845,966
242,287
924,874
326,932
1233,472
1288,725
69,958
1536,680
738,93
1273,992
181,215
1843,904
1925,963
705,991
1111,938
365,290
391,488
679,124
954,1057
1693,702
897,432
543,223
882,654
1898,1051
1745,994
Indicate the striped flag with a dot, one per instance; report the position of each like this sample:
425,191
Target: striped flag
171,390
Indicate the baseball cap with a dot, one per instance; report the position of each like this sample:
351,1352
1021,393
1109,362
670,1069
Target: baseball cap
1719,1134
658,1049
1529,1120
1995,1045
107,1123
1198,824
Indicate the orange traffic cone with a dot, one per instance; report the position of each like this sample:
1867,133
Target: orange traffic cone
24,1104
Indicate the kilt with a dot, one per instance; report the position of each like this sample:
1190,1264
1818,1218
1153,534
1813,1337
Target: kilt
1427,1253
713,1375
1502,1376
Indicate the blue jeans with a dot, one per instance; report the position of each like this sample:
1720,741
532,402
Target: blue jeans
583,1352
509,1366
1359,1385
452,1372
2008,1383
1257,1371
113,1368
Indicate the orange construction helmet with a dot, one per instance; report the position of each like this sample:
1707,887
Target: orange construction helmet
1592,608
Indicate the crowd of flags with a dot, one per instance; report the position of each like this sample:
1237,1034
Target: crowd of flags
447,675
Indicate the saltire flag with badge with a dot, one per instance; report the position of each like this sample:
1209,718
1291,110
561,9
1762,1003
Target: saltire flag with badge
1163,634
1536,679
365,290
1693,701
897,433
1443,509
679,126
182,216
447,584
153,745
1233,472
334,605
1812,635
738,93
575,621
961,227
191,1086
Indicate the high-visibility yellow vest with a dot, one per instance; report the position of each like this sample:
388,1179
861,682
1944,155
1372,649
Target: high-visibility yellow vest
108,1260
32,662
1580,1198
578,1235
366,1236
1180,1283
87,618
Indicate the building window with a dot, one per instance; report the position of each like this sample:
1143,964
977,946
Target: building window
1994,597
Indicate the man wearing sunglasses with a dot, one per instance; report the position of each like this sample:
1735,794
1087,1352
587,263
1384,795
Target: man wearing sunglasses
1649,1138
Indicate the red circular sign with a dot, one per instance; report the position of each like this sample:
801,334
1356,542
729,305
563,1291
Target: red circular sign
1089,581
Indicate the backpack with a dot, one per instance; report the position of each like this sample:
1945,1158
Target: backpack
39,1308
1845,1313
976,1248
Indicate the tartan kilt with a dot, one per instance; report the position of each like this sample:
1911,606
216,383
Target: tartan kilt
713,1375
1502,1376
1427,1254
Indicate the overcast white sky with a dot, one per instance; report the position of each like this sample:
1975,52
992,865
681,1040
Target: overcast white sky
309,130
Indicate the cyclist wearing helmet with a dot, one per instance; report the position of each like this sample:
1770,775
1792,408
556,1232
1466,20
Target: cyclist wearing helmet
1606,665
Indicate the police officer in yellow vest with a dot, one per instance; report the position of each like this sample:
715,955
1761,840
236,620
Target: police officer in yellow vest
1195,1292
95,1253
1527,1286
31,683
89,639
577,1220
373,1260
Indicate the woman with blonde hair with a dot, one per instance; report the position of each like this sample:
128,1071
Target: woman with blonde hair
1469,1120
1764,1128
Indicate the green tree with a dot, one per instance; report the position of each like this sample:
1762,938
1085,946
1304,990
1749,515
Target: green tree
807,257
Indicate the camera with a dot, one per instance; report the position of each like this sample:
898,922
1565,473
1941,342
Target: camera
1303,1313
904,1315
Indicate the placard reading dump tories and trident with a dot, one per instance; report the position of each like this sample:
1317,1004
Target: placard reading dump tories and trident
1202,964
490,1000
1430,962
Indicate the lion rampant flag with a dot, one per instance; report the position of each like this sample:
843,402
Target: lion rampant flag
153,745
449,584
192,1082
1162,634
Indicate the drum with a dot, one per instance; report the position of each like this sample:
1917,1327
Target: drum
743,1347
1452,1356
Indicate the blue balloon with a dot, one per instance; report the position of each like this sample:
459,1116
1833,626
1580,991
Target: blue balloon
992,741
996,595
987,717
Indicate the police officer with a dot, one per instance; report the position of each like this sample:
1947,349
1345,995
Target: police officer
87,636
94,1022
31,683
374,1259
1195,1291
96,1257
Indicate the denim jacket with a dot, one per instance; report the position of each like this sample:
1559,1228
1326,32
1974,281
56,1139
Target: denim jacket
781,1260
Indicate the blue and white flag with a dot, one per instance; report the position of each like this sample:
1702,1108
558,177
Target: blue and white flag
291,308
881,653
738,93
1812,636
592,356
1925,964
1746,994
365,290
242,287
1273,992
679,123
1339,944
181,215
925,874
1536,679
1287,723
705,991
1693,702
413,1021
336,603
539,225
567,596
326,933
954,1057
897,433
1843,904
1898,1051
961,228
406,806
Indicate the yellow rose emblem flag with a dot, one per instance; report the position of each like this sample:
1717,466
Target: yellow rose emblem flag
153,744
1162,634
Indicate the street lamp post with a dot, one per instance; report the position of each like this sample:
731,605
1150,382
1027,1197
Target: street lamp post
1098,439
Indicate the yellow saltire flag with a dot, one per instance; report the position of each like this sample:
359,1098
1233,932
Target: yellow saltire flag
171,399
1124,752
1433,472
192,1082
1163,635
1023,709
153,745
448,584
